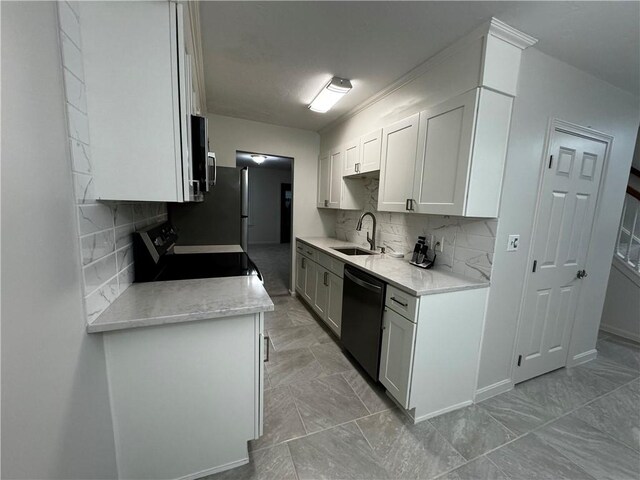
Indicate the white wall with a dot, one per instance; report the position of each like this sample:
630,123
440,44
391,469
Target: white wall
264,203
231,134
621,313
549,88
56,421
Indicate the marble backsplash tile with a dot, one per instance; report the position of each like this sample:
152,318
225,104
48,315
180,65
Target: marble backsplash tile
105,228
467,243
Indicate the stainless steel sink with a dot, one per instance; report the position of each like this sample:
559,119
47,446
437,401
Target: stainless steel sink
354,251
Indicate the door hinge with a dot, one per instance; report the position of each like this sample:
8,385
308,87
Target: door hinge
519,360
535,265
550,160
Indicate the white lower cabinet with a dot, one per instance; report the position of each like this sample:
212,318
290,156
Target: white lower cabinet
429,362
318,284
334,304
174,384
322,292
396,356
310,282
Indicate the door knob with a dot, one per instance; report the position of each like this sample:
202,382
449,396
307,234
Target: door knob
581,274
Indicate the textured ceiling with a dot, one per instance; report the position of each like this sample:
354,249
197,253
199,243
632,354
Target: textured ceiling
265,61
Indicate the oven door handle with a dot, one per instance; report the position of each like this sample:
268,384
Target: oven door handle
362,283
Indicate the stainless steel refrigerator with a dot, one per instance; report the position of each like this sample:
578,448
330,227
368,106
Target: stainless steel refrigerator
222,218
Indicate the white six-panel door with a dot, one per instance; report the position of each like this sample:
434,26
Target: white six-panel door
562,232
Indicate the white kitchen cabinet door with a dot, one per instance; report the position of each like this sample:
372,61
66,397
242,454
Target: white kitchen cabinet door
301,278
351,157
324,178
370,150
309,292
321,300
442,166
399,148
334,307
335,178
396,357
130,56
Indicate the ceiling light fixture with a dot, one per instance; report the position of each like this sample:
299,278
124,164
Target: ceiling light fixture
330,94
259,159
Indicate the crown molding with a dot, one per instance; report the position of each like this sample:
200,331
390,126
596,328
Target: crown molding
505,32
493,27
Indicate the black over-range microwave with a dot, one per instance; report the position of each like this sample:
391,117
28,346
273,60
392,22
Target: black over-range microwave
203,162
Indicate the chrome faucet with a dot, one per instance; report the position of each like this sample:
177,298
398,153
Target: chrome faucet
372,239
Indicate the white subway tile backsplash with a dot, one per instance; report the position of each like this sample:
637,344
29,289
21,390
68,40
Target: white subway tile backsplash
125,278
75,91
97,273
97,245
84,188
75,6
123,235
122,214
71,57
124,257
78,124
94,218
80,157
69,23
96,302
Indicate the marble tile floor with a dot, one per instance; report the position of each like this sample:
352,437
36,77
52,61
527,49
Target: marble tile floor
274,263
324,419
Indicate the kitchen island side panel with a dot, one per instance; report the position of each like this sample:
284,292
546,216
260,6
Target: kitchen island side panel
183,396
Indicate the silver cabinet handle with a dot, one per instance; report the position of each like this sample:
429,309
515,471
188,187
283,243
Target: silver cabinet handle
213,168
405,305
266,339
326,203
326,279
304,263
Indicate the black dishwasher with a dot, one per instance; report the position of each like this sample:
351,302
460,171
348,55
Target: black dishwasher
362,308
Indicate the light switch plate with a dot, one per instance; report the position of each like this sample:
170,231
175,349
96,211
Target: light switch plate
514,242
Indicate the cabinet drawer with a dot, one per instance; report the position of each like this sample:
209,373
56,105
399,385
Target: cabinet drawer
307,251
330,263
402,303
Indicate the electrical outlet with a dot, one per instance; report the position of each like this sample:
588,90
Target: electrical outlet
438,246
514,242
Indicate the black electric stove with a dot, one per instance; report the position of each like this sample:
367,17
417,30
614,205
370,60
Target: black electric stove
156,261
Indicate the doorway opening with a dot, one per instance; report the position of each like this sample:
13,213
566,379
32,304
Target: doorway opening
270,217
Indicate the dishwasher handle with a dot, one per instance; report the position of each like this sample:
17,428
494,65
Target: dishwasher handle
362,283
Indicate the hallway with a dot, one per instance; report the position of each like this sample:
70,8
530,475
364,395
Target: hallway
274,263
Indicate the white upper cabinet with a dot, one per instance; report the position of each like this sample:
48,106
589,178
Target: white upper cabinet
449,159
335,179
370,150
363,154
461,156
443,157
351,157
399,147
334,191
135,67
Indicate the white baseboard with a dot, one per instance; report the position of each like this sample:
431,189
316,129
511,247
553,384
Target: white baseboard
583,357
492,390
620,332
211,471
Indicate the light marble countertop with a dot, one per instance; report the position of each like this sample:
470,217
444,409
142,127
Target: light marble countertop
397,271
161,303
